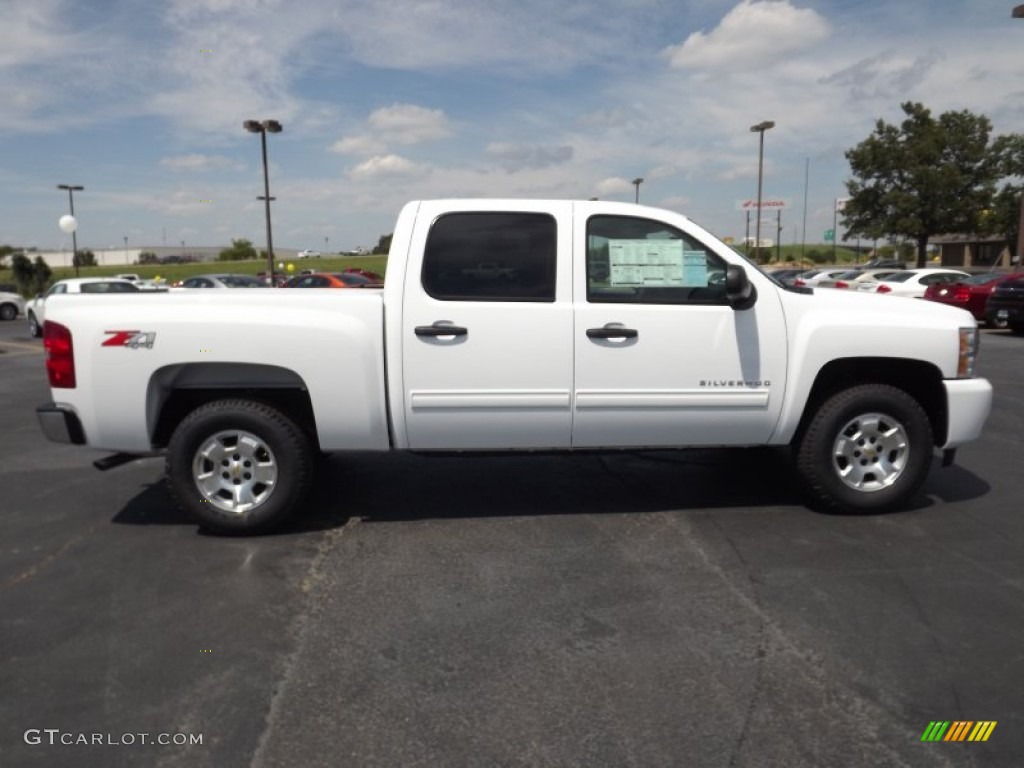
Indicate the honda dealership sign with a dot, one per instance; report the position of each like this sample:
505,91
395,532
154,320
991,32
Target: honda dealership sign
767,204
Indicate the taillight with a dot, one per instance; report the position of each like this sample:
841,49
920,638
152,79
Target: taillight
799,283
883,288
60,355
961,293
842,284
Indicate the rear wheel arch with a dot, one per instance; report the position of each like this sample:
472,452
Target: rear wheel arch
176,391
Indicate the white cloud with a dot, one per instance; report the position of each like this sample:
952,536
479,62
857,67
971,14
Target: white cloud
201,163
386,166
753,34
362,144
517,157
613,186
409,124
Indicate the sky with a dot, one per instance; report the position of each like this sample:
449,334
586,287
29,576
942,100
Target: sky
386,101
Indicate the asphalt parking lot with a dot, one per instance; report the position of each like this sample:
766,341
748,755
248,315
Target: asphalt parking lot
649,609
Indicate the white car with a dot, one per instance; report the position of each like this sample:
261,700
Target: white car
812,277
309,254
36,311
912,283
851,280
221,281
11,305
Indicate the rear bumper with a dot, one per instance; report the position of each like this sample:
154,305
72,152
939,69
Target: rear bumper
968,403
60,423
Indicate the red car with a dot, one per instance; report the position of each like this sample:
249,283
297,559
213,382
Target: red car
332,280
365,273
970,293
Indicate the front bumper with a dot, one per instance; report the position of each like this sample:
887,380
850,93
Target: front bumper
60,423
968,404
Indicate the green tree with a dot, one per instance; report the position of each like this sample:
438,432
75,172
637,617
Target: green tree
31,277
1004,217
240,250
922,178
86,258
383,244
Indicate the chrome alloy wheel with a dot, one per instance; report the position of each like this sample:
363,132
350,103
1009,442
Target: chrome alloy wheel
235,471
871,452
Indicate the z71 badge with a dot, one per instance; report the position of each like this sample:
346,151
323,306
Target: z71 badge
130,339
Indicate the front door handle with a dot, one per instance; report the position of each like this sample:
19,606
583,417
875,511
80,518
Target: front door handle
441,329
612,332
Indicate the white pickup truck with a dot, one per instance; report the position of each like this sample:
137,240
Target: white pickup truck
620,327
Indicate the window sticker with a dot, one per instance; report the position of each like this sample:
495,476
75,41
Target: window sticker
656,263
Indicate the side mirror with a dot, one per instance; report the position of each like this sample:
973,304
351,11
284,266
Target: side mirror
739,291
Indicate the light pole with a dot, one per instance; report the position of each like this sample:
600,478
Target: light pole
760,128
262,128
72,188
636,183
1018,13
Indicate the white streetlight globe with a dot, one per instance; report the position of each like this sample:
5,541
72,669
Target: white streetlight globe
67,223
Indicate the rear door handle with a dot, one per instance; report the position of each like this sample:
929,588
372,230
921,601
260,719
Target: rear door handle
441,329
612,332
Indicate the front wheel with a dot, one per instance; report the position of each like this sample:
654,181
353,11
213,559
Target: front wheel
238,466
867,449
34,329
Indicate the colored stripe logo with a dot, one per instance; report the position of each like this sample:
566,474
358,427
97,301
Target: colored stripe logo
958,730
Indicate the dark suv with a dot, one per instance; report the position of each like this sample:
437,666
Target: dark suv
1006,305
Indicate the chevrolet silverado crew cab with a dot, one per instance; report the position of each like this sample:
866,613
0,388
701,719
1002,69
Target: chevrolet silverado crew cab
615,326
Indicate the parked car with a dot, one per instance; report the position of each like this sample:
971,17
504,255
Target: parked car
1006,304
11,305
812,277
309,255
842,280
971,293
36,311
221,281
375,277
867,276
332,280
8,288
886,264
280,278
912,283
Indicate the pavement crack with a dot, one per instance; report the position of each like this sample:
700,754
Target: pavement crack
312,597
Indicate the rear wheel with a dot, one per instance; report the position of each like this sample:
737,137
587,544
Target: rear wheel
238,466
8,312
867,449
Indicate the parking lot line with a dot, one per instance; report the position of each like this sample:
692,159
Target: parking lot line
19,345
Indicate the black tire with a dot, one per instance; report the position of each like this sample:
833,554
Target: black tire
35,330
996,323
8,312
1017,327
228,448
867,449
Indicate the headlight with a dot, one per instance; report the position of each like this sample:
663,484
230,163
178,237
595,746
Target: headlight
968,358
